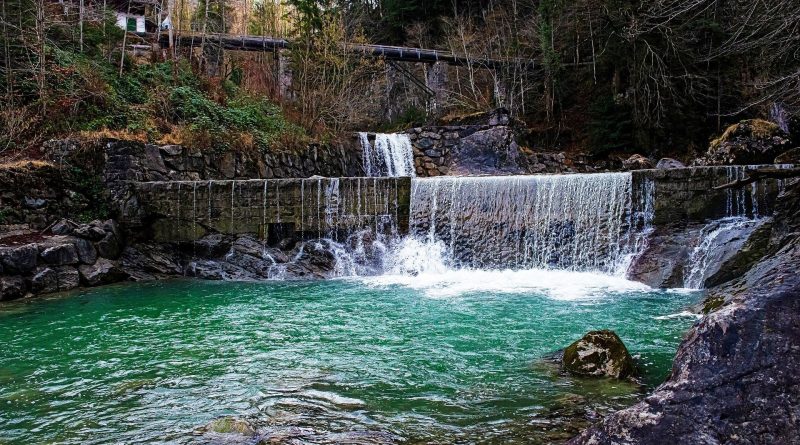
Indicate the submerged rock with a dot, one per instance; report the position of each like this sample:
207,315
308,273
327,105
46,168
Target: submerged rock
230,425
599,354
59,252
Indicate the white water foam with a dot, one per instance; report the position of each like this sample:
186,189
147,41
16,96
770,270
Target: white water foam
712,236
421,265
556,284
682,314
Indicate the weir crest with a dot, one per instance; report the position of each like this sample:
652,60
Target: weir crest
597,223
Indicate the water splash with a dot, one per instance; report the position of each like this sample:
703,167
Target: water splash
391,155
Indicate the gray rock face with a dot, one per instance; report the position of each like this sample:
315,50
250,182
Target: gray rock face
720,250
54,279
731,253
667,163
19,260
109,246
59,253
599,354
663,263
11,288
104,271
86,251
487,151
734,378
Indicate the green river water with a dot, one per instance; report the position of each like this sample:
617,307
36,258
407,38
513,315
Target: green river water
341,361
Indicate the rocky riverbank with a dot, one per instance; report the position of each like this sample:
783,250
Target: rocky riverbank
734,378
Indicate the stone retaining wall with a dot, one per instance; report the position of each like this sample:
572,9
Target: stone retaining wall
479,149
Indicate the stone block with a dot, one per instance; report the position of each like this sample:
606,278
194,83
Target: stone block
49,279
104,271
19,259
59,254
87,254
12,288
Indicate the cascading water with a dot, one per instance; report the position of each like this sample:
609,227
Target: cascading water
391,155
568,222
745,207
712,236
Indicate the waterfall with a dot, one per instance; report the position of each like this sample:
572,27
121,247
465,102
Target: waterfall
713,237
581,222
391,155
744,208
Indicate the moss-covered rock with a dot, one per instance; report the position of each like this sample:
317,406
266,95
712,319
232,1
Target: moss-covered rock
751,141
599,354
712,304
230,425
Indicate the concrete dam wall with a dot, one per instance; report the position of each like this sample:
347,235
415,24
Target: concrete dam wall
269,208
316,207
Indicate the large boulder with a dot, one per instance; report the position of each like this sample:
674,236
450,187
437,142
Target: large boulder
599,354
109,246
59,251
19,259
752,141
637,162
12,288
148,261
668,163
104,271
86,251
48,279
